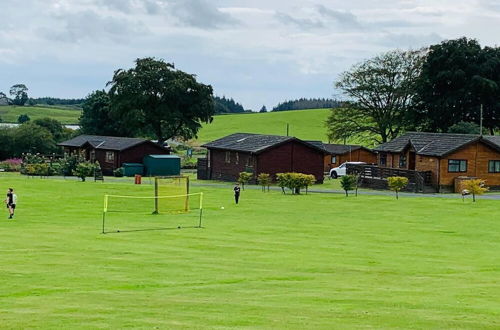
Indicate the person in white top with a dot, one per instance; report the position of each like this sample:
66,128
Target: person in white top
11,201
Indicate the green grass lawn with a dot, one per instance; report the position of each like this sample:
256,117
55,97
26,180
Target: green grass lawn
304,124
9,114
274,261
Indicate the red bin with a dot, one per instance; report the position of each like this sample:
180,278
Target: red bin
138,179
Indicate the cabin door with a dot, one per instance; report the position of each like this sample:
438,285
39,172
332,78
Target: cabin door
411,161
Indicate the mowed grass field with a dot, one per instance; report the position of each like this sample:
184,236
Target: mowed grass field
9,114
274,261
304,124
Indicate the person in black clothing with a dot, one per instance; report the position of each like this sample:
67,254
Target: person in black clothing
11,202
237,190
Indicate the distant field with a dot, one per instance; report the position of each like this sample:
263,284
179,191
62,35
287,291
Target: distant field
9,114
304,124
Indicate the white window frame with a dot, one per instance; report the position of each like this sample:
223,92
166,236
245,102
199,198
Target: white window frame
110,156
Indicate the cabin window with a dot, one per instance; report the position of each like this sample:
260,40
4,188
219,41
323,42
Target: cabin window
208,158
383,159
402,161
110,156
237,158
457,165
250,161
494,166
228,156
92,155
334,159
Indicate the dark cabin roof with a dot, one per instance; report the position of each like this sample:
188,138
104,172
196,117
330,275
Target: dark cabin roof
253,143
434,144
340,149
103,142
337,149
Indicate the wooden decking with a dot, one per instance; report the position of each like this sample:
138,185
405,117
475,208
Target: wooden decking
375,177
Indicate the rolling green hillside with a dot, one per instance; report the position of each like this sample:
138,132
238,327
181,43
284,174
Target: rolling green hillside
9,114
304,124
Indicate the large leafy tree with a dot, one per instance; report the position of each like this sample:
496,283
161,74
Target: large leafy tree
161,100
457,77
29,137
380,93
96,117
20,94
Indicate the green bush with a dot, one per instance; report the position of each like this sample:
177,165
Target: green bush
189,163
264,180
397,183
84,169
118,172
349,182
244,178
295,181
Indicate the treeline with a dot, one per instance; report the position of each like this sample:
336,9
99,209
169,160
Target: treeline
303,103
225,105
19,96
55,101
37,136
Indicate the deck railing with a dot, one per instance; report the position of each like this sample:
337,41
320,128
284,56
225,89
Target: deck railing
418,178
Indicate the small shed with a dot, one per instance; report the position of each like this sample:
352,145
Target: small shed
162,165
131,169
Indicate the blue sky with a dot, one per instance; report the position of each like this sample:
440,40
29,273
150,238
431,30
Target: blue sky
258,52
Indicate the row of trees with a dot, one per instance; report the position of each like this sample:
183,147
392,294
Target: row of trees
305,103
225,105
438,89
37,136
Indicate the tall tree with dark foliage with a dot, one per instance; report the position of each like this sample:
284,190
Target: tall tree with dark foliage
19,92
457,77
160,100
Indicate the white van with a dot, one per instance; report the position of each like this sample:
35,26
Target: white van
341,170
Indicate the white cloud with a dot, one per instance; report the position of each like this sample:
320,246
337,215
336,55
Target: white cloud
258,52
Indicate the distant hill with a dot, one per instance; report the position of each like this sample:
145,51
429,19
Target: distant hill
10,113
307,104
307,125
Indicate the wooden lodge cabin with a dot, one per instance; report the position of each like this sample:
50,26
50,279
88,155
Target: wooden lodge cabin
111,151
337,154
445,156
257,153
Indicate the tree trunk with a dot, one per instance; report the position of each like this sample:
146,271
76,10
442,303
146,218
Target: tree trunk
397,195
473,197
346,193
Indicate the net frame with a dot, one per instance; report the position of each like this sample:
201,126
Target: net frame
156,198
158,184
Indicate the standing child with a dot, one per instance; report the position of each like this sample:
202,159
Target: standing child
11,202
237,193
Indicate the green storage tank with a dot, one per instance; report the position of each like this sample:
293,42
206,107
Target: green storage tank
162,165
131,169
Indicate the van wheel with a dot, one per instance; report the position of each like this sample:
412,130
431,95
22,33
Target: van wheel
334,175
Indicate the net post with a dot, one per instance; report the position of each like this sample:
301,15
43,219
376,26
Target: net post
201,209
104,212
186,202
156,211
103,221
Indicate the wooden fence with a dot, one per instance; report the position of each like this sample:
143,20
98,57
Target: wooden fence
376,177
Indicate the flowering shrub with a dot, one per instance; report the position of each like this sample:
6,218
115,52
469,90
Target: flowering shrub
11,165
